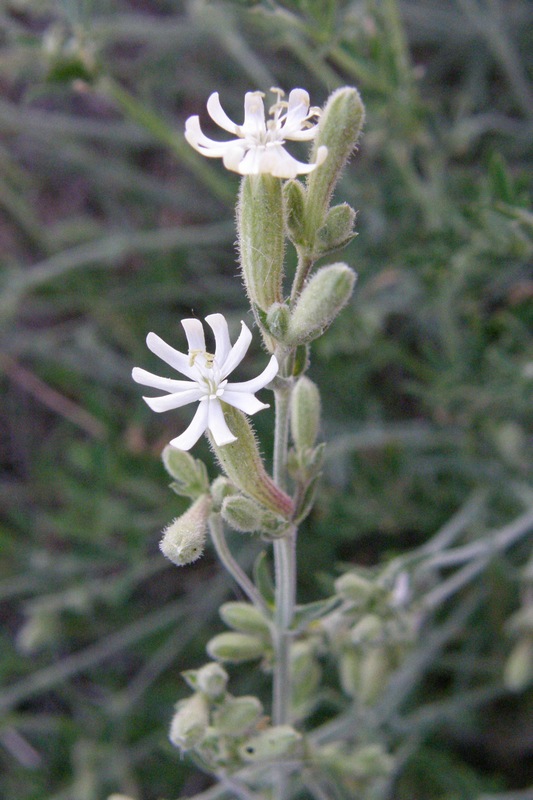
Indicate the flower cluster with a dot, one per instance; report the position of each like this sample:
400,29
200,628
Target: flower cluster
208,380
258,146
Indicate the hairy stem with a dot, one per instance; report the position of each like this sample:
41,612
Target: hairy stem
216,529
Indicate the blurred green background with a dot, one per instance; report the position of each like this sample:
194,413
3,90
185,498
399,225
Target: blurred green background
111,226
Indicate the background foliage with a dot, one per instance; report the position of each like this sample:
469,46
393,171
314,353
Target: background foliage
111,226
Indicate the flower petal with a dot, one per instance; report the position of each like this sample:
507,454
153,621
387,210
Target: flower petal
244,401
194,331
233,156
297,111
166,384
171,356
255,384
254,115
237,352
174,400
218,427
218,115
219,326
201,142
190,436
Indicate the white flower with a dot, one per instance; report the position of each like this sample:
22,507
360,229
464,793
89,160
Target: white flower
258,147
208,382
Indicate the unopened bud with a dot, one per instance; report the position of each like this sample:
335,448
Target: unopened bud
337,231
350,671
190,722
211,679
355,588
369,630
220,489
339,128
371,761
373,674
190,474
184,539
244,617
277,320
306,674
277,742
518,672
245,515
236,647
294,195
260,227
305,413
236,715
242,463
321,300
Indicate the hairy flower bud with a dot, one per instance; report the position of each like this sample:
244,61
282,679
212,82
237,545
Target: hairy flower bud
245,515
277,321
184,539
190,474
236,647
518,672
236,715
321,300
337,230
211,679
338,129
374,672
260,227
354,587
305,413
244,617
190,722
242,463
271,744
369,630
294,194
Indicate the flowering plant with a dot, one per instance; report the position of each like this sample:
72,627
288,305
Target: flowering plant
367,623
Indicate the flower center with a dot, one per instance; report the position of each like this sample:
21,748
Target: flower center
209,377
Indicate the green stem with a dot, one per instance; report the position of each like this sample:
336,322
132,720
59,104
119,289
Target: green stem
305,263
282,397
216,529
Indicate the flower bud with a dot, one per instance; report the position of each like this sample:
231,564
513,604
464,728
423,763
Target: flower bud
339,128
236,715
306,674
370,761
337,231
369,630
211,679
350,671
190,722
190,474
235,647
242,463
220,489
518,672
244,617
321,300
294,196
184,539
245,515
305,413
260,227
277,321
270,745
374,672
355,588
